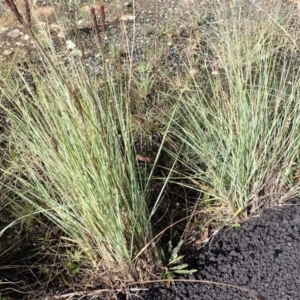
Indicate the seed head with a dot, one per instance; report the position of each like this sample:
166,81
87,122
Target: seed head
102,11
93,10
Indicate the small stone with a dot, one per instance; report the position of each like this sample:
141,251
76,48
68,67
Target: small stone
127,4
61,35
3,29
8,52
26,37
70,45
127,18
14,33
76,52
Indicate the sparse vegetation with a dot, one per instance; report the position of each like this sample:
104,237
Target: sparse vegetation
96,159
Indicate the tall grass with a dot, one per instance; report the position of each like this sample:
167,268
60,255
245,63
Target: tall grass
240,125
74,139
74,158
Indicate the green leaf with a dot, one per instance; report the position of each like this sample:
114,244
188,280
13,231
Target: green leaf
170,247
185,271
75,270
236,225
177,259
174,255
179,267
163,275
176,249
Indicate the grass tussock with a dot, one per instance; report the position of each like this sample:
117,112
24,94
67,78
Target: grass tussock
240,123
75,146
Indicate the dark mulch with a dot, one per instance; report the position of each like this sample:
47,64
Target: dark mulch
261,256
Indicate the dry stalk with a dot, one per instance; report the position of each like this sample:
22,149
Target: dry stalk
11,4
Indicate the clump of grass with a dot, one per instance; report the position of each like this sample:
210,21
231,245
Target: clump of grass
74,140
240,124
79,167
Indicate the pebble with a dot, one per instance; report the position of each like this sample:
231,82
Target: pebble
127,4
8,52
70,45
15,33
127,18
26,37
3,29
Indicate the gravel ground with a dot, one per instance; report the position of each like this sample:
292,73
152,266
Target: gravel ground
147,16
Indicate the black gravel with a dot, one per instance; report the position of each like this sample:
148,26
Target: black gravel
262,257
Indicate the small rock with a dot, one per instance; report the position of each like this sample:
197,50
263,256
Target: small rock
80,22
26,37
14,33
8,52
61,35
76,52
127,4
3,29
127,18
70,45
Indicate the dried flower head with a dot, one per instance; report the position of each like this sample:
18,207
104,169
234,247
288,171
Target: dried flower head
93,10
95,25
102,11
